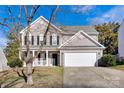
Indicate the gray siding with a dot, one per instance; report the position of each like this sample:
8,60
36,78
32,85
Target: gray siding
40,27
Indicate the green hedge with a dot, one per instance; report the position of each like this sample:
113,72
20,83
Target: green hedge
108,60
120,62
15,63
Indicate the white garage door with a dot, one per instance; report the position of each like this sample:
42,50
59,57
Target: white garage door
79,59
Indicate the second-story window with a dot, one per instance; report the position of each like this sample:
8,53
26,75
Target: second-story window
54,39
41,37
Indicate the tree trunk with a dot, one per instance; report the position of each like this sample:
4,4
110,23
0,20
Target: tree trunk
29,73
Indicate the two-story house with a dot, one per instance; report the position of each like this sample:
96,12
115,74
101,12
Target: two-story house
65,46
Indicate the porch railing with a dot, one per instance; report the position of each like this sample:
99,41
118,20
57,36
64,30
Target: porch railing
39,62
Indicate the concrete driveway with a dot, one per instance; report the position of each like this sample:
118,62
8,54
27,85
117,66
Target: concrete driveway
93,77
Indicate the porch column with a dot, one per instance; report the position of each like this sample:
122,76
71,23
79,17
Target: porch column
20,54
24,64
47,60
60,58
33,53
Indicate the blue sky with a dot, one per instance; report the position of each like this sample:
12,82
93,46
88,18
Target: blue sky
71,15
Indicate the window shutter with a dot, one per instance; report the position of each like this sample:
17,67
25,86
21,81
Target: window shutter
37,40
25,40
50,40
45,40
57,40
32,40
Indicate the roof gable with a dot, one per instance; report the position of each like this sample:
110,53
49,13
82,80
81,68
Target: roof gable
81,39
40,22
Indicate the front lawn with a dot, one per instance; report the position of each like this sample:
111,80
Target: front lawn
43,77
118,67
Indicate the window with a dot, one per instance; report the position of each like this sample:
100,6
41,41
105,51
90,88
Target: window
54,39
41,37
37,40
25,54
45,39
32,40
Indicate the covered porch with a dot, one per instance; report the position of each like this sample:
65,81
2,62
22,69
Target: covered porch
45,58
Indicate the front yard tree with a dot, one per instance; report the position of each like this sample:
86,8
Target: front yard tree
27,13
108,36
12,52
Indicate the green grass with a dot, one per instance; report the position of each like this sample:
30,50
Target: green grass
43,77
118,67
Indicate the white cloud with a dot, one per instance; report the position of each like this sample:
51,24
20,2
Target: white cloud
82,8
115,14
3,41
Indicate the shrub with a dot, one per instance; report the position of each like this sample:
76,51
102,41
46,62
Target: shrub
108,60
15,63
120,62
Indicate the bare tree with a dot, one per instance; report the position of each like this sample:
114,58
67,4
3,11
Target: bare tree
14,28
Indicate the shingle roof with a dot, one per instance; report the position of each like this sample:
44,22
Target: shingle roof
75,29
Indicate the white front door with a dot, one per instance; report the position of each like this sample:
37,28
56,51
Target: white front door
79,59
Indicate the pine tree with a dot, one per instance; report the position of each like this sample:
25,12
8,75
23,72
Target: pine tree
12,52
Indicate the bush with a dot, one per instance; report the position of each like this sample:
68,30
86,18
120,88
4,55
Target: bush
120,62
15,63
108,60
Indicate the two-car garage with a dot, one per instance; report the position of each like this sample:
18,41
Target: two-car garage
79,59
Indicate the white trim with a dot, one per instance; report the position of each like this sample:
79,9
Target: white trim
22,39
41,17
51,23
20,55
33,52
47,58
92,39
68,40
79,34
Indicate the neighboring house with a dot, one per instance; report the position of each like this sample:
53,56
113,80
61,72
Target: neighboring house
65,46
121,41
3,61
